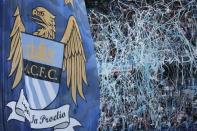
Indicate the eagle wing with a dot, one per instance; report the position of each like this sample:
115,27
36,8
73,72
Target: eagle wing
15,54
74,58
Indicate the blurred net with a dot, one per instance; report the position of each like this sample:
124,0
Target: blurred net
146,53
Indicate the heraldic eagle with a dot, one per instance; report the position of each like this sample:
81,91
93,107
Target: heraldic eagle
74,57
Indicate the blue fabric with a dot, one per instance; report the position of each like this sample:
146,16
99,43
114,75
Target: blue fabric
87,112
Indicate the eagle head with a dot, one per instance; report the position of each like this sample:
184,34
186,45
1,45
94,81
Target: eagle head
47,22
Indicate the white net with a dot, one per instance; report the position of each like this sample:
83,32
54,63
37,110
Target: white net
146,53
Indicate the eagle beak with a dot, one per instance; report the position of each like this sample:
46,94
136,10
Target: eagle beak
36,17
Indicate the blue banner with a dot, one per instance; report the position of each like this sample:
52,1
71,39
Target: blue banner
50,79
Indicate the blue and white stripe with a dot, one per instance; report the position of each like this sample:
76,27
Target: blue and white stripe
40,93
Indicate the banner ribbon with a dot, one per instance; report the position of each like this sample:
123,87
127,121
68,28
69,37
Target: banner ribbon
39,119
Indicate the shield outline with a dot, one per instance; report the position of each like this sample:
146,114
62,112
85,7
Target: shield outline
23,38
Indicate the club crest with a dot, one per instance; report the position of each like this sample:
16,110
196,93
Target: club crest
73,52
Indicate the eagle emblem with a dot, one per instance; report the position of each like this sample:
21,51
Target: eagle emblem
73,58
